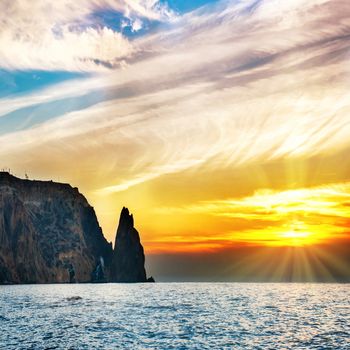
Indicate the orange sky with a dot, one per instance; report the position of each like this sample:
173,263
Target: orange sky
205,211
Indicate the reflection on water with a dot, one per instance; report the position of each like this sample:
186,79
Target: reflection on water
175,315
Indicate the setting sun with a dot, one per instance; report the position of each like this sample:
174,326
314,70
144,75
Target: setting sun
300,217
296,238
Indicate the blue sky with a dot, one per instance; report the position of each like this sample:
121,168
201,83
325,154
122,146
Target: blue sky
14,82
61,52
21,81
185,6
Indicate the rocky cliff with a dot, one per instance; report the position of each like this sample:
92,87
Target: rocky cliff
128,258
50,234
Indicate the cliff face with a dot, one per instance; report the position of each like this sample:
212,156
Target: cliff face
128,257
48,233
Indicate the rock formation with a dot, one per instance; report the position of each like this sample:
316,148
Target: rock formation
50,234
128,258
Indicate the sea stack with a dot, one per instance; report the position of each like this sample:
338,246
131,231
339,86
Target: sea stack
128,262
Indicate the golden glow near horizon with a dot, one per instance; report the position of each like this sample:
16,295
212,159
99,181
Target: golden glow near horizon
295,218
299,217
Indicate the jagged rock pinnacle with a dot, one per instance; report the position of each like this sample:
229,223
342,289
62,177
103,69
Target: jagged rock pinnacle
128,256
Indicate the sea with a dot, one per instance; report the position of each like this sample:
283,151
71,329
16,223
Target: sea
175,316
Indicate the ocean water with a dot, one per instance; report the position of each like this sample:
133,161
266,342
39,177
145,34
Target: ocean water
175,316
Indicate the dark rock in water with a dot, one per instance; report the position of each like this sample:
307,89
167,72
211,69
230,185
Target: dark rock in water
150,279
128,257
48,233
71,272
99,274
74,298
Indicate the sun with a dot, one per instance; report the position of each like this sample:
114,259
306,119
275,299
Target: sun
296,238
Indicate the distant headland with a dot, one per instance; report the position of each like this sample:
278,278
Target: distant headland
49,233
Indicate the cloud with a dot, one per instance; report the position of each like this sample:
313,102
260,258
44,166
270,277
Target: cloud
327,200
226,85
61,35
301,216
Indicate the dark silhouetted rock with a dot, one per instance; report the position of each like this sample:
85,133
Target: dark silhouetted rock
99,274
48,233
74,298
71,272
128,256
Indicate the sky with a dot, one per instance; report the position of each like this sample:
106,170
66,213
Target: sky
224,126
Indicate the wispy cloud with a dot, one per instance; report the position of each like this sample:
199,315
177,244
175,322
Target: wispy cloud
265,204
235,82
60,35
297,217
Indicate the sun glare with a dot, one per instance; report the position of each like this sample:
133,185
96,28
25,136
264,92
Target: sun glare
298,217
296,238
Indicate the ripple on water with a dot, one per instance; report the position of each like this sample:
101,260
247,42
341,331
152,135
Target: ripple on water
175,316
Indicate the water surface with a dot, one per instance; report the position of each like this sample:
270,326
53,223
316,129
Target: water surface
175,316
